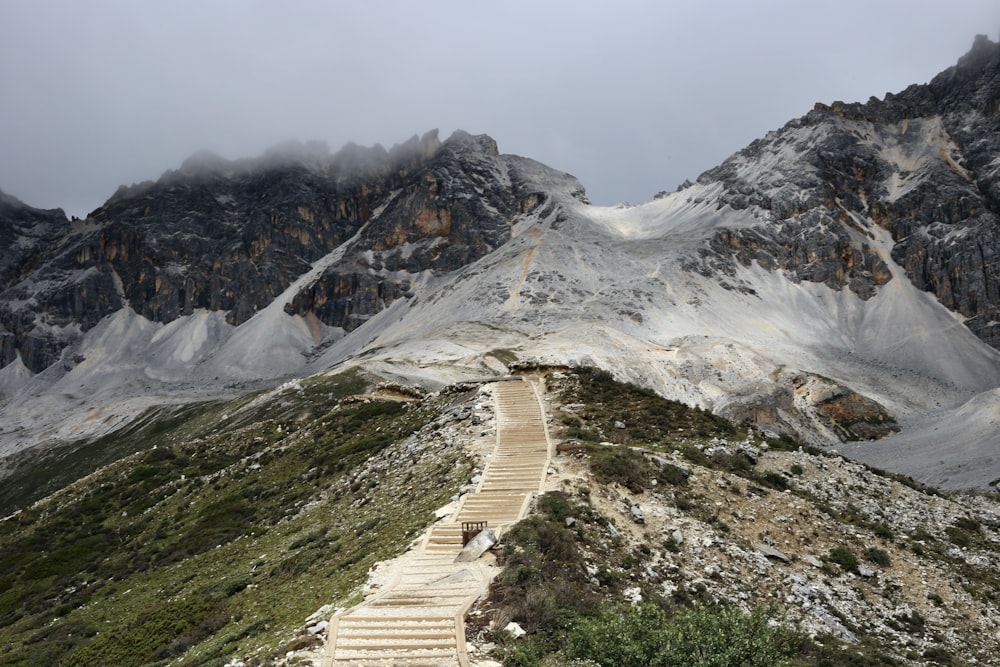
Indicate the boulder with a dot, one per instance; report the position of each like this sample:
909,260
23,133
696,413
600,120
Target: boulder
477,546
515,629
772,553
637,514
318,628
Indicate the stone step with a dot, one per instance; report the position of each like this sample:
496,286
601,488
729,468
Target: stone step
400,605
408,598
393,631
396,614
397,656
393,642
359,619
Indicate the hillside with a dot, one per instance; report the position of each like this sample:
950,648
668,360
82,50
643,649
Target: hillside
236,542
685,513
225,539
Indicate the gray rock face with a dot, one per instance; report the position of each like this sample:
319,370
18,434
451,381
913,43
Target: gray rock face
833,198
456,210
637,515
27,235
232,236
921,165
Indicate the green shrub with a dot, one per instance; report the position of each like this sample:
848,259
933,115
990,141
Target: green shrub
962,532
651,418
671,474
883,530
227,587
966,523
555,505
878,556
647,636
621,465
938,655
958,537
775,480
845,558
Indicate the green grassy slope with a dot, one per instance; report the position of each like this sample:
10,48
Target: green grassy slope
223,538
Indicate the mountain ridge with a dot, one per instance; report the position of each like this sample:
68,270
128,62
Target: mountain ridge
773,289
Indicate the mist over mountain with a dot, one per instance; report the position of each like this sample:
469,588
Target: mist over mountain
837,280
251,411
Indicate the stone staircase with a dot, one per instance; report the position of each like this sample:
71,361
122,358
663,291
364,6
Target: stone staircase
418,619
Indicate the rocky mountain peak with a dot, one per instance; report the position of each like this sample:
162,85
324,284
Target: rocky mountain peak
462,140
231,236
983,55
204,162
418,148
292,151
921,164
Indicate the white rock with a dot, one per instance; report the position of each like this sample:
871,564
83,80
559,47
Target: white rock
771,552
637,514
318,628
515,629
477,546
323,612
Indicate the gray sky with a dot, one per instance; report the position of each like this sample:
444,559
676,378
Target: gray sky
630,97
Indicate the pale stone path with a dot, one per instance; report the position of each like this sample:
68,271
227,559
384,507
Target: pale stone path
418,619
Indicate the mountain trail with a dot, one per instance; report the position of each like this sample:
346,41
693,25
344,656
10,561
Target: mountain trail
514,302
418,618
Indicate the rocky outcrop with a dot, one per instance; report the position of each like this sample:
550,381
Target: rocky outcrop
806,403
810,247
848,414
346,298
27,235
457,208
921,164
231,236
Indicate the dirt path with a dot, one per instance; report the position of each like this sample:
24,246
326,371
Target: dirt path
418,618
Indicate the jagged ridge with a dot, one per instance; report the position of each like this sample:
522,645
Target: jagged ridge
232,236
921,164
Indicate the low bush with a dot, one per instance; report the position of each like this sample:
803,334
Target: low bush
621,465
845,558
878,556
648,636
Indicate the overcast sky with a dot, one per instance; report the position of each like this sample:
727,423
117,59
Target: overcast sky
630,97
